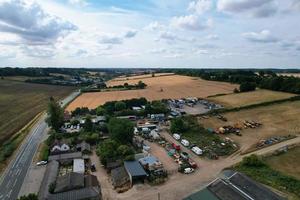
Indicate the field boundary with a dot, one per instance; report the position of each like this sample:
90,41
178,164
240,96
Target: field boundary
18,134
236,109
143,77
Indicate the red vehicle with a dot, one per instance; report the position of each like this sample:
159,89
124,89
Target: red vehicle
176,146
192,163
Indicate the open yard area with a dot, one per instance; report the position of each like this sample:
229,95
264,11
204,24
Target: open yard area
277,120
162,87
20,102
249,98
287,163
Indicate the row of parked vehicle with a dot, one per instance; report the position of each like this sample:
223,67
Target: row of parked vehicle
186,143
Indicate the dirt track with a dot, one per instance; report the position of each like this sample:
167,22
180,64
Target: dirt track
179,185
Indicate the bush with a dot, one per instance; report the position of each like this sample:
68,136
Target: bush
52,187
30,196
247,86
253,161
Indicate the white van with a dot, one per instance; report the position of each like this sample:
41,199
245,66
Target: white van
176,136
197,150
185,143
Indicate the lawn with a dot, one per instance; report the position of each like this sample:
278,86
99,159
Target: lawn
250,98
20,102
287,162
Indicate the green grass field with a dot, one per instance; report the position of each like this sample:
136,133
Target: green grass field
20,102
287,162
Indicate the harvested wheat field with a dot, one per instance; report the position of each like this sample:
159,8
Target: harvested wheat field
162,87
277,119
249,98
126,78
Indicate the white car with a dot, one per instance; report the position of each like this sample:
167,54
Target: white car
43,162
185,143
188,170
176,136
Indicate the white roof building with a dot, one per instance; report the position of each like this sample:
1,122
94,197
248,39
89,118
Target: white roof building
78,166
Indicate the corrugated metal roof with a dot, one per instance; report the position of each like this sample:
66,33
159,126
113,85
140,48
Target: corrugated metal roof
134,168
78,165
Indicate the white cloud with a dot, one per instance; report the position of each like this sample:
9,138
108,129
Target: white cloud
264,36
191,22
31,24
39,51
130,33
116,38
254,8
154,26
200,6
79,2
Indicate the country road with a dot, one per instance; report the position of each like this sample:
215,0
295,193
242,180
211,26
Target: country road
12,179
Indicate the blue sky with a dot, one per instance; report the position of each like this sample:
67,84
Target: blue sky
150,33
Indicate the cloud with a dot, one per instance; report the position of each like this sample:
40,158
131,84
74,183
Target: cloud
190,22
115,38
264,36
200,6
39,51
79,2
31,23
254,8
212,37
295,5
154,26
130,33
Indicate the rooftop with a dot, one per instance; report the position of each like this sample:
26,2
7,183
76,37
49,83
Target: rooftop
134,168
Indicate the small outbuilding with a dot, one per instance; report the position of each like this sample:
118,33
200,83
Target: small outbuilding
78,166
151,163
135,171
119,177
84,147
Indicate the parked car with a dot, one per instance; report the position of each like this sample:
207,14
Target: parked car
176,136
185,143
184,155
188,170
197,150
43,162
176,146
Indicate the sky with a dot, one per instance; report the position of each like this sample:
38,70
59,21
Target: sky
150,33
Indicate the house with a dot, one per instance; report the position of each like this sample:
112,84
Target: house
72,186
151,163
135,171
65,156
84,147
113,164
234,186
119,177
78,166
99,119
130,117
60,148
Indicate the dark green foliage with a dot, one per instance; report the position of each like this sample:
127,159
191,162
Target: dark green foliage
247,86
111,150
52,187
88,125
156,107
121,130
178,125
80,111
30,196
44,154
55,115
120,105
257,169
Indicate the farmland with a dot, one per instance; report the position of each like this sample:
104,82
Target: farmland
159,87
249,98
289,74
287,162
278,120
20,102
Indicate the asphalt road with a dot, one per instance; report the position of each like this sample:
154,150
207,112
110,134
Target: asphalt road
13,177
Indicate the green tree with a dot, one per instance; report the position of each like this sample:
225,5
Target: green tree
30,196
88,125
178,125
100,111
120,105
141,85
247,86
55,115
107,151
121,130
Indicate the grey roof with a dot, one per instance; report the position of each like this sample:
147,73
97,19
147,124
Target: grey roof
65,156
119,176
49,177
252,188
69,181
84,146
204,194
92,193
134,168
